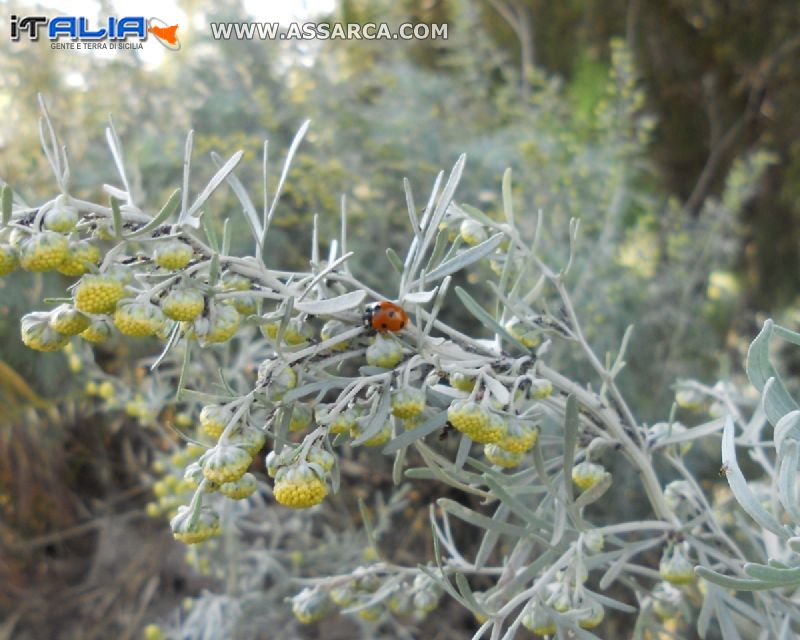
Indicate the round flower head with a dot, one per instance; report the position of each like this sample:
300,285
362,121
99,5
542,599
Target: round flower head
520,438
321,457
342,596
342,422
590,613
80,255
235,282
667,600
98,293
366,582
172,254
690,399
183,419
468,416
246,305
426,594
249,438
472,232
97,332
477,422
538,620
240,489
269,328
528,337
8,259
139,319
501,457
380,438
371,613
68,320
299,487
152,632
273,464
301,417
401,603
192,475
225,463
462,382
586,474
311,605
411,423
331,329
298,332
426,600
61,218
717,409
224,322
43,251
593,541
36,333
103,230
106,390
559,598
541,389
678,495
183,304
213,419
278,381
408,402
384,352
423,582
205,525
675,566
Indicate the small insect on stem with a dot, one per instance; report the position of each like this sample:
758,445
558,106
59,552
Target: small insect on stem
385,316
723,471
446,431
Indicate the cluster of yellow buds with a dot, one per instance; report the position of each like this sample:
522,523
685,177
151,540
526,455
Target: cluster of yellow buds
579,607
531,338
415,600
408,403
477,422
342,422
311,605
385,352
225,463
192,526
213,420
378,439
675,566
299,486
183,304
587,474
300,482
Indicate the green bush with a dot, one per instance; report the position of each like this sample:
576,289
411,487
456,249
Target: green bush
516,428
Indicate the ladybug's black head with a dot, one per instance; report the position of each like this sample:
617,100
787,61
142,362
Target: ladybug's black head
370,311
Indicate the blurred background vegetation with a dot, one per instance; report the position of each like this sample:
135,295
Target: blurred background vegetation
668,126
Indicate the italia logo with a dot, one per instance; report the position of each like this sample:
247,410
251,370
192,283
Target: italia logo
125,32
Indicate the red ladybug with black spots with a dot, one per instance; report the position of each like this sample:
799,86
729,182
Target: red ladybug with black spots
385,317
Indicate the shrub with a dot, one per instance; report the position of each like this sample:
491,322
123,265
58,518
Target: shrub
525,529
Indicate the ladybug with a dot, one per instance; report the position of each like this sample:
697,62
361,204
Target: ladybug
385,316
